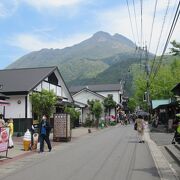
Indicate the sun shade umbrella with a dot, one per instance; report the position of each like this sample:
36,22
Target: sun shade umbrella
3,97
4,103
142,113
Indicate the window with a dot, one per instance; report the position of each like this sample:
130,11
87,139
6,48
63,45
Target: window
53,79
1,86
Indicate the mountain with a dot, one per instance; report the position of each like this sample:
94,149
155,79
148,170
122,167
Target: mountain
92,60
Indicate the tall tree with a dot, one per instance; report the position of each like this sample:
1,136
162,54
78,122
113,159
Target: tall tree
91,104
43,103
97,110
175,50
74,115
131,104
160,87
109,103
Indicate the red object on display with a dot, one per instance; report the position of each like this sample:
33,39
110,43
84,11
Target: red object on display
4,139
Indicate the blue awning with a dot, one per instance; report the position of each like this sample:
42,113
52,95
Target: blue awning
156,103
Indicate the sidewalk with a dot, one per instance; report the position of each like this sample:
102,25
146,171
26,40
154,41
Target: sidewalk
164,168
18,153
161,138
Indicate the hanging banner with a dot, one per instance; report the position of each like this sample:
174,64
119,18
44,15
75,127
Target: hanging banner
4,139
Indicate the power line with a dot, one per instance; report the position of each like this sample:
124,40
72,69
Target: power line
141,4
135,16
172,15
152,26
141,33
173,25
131,21
159,39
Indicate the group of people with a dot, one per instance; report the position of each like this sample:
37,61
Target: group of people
10,125
44,132
123,119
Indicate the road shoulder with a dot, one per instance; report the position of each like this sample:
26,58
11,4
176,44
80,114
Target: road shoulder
165,170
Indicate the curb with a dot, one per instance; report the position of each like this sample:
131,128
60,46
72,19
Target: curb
178,147
164,168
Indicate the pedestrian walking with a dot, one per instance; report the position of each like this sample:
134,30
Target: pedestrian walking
11,131
140,128
44,129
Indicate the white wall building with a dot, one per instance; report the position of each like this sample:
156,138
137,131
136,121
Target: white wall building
116,90
18,84
82,93
81,98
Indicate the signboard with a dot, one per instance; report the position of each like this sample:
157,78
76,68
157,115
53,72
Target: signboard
62,127
4,139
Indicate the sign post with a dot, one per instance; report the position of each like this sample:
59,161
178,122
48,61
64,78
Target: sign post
62,127
4,140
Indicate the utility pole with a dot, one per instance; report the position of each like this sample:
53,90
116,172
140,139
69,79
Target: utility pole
147,81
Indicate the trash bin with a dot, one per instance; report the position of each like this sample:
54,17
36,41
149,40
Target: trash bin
27,140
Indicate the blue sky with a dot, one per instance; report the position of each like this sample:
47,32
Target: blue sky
30,25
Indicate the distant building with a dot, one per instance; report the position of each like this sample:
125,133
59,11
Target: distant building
168,108
81,94
81,98
18,84
103,89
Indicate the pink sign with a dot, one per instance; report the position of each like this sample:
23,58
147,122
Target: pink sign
4,138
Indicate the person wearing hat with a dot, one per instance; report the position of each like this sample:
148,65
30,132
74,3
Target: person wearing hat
11,131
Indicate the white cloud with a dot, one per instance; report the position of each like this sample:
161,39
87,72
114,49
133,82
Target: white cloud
117,21
41,4
32,42
7,8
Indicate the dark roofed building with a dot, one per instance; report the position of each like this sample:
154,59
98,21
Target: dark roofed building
22,80
176,89
97,88
18,84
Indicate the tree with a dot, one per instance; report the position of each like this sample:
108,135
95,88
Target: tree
74,115
109,103
43,103
131,104
97,110
160,87
91,104
175,50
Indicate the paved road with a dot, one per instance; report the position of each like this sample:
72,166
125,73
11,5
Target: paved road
112,154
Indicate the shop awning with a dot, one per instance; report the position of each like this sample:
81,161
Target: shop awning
4,103
157,103
3,97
